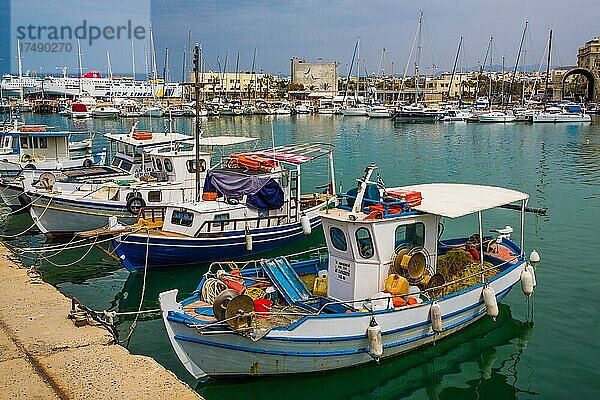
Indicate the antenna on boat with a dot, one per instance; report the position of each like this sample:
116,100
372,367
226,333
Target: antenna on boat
198,120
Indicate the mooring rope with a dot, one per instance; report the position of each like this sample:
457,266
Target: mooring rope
135,320
32,225
4,216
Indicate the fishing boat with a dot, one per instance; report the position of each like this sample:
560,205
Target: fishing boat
164,173
252,202
389,285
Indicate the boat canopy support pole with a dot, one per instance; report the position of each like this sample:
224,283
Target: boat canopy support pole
481,246
523,202
332,172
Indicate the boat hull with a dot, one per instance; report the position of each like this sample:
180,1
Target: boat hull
175,251
561,118
323,342
59,216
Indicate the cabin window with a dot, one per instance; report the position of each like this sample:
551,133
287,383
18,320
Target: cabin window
192,163
43,143
158,164
413,234
183,218
364,243
220,217
126,165
168,165
24,143
154,196
338,239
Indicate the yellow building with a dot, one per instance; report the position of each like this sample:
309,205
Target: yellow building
232,85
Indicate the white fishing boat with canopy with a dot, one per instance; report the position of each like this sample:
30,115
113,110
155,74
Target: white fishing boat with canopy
390,284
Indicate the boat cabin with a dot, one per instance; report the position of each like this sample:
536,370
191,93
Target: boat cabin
375,232
129,150
34,142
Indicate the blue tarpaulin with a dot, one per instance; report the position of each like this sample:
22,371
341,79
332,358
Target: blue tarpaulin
263,192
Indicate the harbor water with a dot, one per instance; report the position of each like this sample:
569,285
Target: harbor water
555,357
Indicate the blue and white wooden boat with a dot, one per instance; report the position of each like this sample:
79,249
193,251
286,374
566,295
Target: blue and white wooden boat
254,208
215,333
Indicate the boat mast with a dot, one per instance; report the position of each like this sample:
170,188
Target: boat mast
80,68
418,59
153,61
502,96
454,67
110,75
237,74
548,70
482,66
133,61
412,48
198,119
350,71
512,81
21,94
357,70
490,76
166,71
253,74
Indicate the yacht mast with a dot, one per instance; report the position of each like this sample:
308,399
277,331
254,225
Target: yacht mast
110,75
21,94
79,67
454,67
133,60
198,119
548,70
512,81
418,59
357,70
350,71
412,48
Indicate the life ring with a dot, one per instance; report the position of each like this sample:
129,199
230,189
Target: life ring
26,158
87,163
135,204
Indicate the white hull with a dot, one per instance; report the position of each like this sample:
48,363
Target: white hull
561,118
354,112
323,342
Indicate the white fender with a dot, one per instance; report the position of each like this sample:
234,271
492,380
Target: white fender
526,282
531,270
305,222
249,244
435,313
534,257
375,339
489,298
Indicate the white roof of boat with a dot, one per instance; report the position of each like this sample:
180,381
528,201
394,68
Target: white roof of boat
225,140
455,200
158,138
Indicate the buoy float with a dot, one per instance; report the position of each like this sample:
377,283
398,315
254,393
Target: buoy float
526,282
249,244
375,339
305,222
489,298
534,257
435,313
531,270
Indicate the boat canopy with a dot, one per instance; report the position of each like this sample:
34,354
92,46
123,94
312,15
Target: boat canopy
455,200
225,140
157,139
296,154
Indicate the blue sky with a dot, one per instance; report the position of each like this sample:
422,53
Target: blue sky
328,29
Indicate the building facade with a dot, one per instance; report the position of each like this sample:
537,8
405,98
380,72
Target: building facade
588,57
315,76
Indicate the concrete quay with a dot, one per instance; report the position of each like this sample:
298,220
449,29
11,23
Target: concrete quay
43,355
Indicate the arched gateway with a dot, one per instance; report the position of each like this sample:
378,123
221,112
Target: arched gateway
591,89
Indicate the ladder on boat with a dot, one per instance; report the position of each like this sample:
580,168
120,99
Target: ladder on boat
294,196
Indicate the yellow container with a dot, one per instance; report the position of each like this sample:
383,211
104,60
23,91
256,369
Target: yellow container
396,284
320,287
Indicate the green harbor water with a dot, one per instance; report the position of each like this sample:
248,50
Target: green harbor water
556,357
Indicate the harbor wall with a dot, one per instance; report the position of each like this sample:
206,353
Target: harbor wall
44,355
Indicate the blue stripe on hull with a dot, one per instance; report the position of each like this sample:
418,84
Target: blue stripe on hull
131,249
